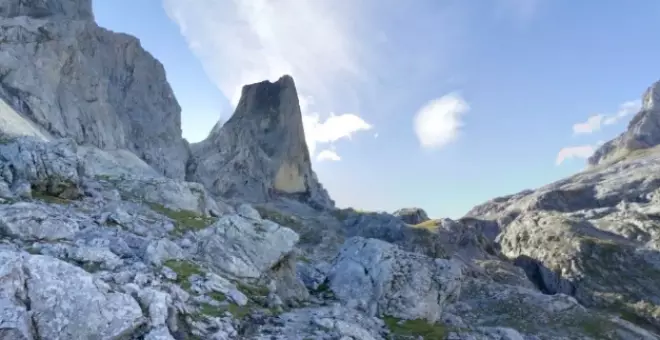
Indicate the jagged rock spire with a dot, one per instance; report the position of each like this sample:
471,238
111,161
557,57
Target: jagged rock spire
260,152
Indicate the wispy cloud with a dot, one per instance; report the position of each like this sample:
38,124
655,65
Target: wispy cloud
595,122
328,155
626,109
591,125
439,121
581,151
246,41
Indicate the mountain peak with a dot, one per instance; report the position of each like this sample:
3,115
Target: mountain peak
260,152
643,131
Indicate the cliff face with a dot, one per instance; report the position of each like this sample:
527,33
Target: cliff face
643,131
70,78
260,152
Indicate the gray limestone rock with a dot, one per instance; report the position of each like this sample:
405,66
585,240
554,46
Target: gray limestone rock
380,279
70,78
31,221
260,152
335,322
244,247
64,301
594,235
50,168
71,9
412,215
643,131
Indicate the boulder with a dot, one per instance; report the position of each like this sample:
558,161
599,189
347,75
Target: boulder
242,247
63,301
383,280
412,215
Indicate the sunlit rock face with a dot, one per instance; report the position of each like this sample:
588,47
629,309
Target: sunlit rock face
643,132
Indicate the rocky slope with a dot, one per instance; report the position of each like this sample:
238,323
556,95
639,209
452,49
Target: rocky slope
103,241
594,236
64,76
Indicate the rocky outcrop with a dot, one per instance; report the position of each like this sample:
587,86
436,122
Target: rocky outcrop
643,131
243,247
380,279
40,296
593,235
260,152
64,76
412,215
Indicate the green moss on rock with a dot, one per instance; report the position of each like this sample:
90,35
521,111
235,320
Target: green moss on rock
49,198
184,270
412,329
184,220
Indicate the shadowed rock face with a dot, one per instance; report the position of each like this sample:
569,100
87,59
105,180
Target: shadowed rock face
643,131
260,153
64,76
412,215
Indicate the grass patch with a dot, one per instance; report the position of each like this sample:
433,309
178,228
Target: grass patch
217,296
184,270
279,218
49,198
184,220
416,328
252,290
235,310
429,225
106,178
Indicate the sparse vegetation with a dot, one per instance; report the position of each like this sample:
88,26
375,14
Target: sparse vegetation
184,220
280,218
307,235
429,225
252,290
217,296
184,270
49,198
411,329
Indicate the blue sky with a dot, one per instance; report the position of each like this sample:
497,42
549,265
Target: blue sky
441,104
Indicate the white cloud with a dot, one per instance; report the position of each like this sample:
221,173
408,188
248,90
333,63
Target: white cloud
327,155
332,129
592,124
595,122
582,151
439,121
625,109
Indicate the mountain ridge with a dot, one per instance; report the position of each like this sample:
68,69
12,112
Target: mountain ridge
112,227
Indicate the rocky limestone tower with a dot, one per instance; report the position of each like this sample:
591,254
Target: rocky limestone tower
260,152
61,75
643,131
